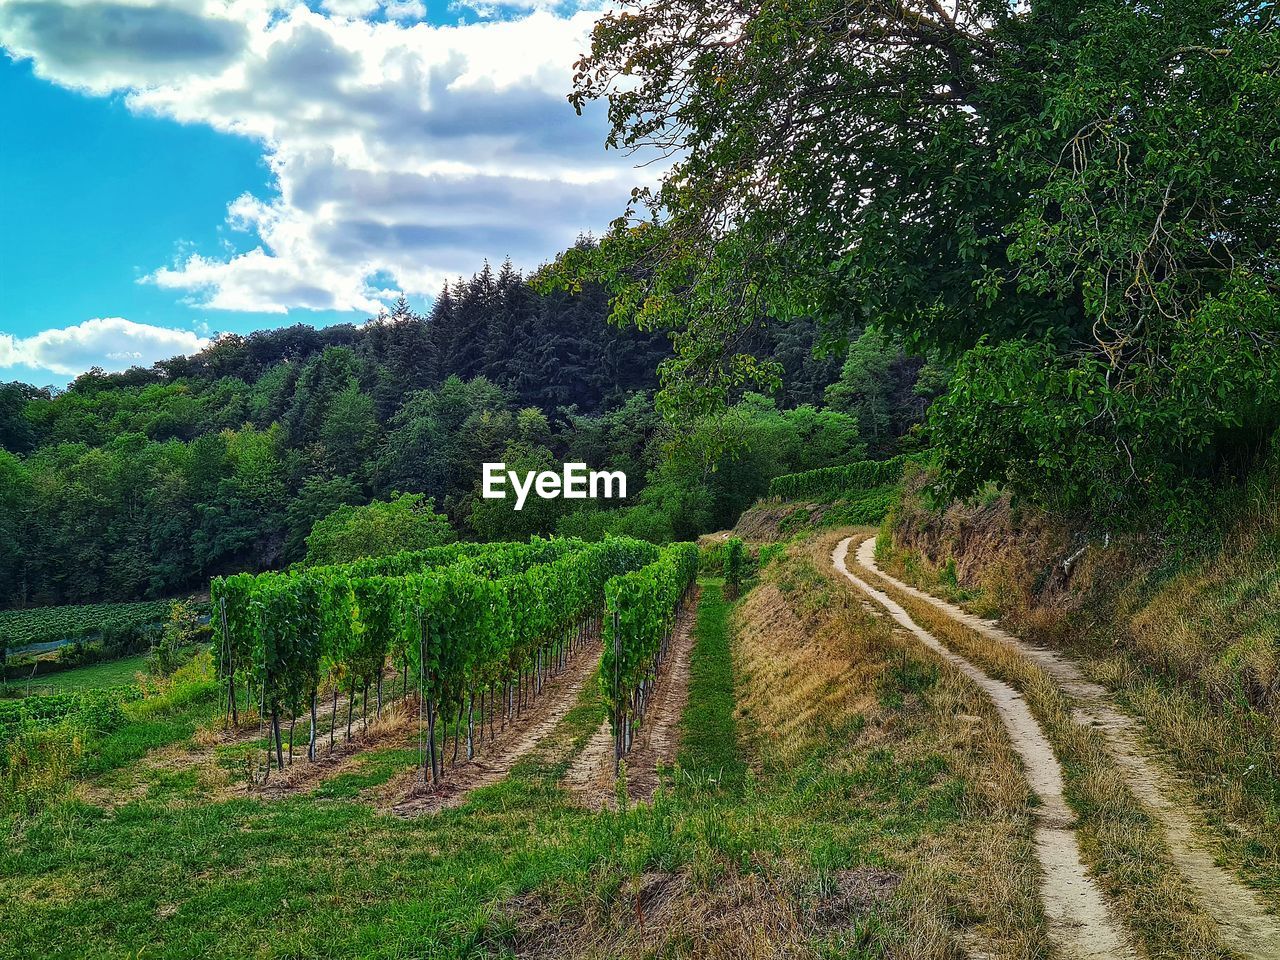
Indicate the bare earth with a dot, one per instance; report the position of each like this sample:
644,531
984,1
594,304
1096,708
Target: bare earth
590,778
1244,924
1079,919
408,796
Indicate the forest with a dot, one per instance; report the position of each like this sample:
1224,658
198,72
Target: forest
146,483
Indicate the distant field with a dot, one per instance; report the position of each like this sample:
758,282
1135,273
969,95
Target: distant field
21,628
92,677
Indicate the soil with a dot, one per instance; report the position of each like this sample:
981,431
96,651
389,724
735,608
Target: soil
408,796
1076,911
1244,925
590,778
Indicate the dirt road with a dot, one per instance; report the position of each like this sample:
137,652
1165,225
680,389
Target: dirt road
1077,913
1244,925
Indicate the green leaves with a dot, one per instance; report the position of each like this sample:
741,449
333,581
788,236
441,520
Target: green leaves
640,609
462,616
18,628
833,481
736,561
1079,194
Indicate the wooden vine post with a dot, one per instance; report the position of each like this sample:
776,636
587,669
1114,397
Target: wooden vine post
617,720
229,651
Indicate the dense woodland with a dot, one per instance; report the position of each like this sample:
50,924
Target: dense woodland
147,482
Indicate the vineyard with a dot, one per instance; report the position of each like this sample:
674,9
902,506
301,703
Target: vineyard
100,709
642,606
21,628
476,629
831,482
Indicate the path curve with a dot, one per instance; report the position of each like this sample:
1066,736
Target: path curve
1243,922
1077,913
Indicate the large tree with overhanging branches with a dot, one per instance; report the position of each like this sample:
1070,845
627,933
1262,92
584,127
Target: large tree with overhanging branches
1080,201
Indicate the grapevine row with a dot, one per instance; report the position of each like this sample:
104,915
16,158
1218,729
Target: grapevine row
641,611
493,623
20,628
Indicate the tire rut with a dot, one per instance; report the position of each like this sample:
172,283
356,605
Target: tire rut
1078,916
1244,924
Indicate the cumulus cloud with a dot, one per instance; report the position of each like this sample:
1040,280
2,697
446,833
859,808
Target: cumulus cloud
112,343
399,150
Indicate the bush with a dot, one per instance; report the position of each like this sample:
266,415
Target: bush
182,630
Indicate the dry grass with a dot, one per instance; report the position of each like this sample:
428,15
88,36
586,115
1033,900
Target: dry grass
1122,845
817,666
1191,644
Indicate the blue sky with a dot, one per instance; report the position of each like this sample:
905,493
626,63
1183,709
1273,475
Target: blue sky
177,169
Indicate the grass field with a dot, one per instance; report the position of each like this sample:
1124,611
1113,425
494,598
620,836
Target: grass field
97,675
774,837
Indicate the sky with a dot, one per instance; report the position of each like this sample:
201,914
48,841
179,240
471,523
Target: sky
175,169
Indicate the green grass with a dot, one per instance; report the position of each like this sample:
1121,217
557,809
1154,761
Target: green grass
709,739
93,677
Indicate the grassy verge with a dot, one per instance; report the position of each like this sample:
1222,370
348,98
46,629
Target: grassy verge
709,737
93,677
1223,745
40,766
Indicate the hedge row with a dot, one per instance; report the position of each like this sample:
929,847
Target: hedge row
831,482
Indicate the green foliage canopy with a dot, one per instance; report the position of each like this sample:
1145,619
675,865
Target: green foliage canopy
406,522
1085,193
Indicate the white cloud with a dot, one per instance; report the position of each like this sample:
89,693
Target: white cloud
399,149
112,343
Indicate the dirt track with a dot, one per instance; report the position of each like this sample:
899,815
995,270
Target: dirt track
1244,925
590,778
1077,913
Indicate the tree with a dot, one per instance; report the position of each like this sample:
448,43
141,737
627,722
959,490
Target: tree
349,431
17,435
406,522
15,500
1084,190
318,498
